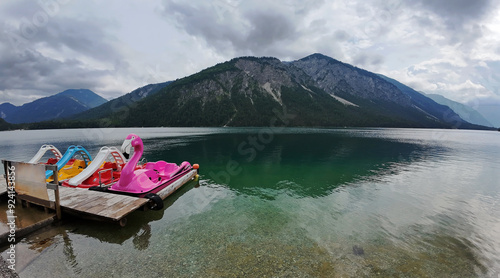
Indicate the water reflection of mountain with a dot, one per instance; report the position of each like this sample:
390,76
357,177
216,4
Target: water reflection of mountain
297,164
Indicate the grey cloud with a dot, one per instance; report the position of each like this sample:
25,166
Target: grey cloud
34,57
30,69
268,28
458,10
21,8
365,59
341,35
246,28
83,37
301,7
86,38
360,59
377,60
211,22
457,20
24,70
380,17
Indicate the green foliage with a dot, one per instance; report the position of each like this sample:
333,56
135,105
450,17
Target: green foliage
205,74
66,124
5,125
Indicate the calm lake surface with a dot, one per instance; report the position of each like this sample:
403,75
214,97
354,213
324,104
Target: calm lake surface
292,202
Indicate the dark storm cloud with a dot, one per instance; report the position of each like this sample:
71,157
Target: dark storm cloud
30,69
268,28
84,37
49,53
246,28
20,68
458,20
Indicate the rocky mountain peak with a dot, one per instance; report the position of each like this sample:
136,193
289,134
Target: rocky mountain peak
336,77
270,74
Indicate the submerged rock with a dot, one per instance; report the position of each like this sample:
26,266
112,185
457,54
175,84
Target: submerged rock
358,251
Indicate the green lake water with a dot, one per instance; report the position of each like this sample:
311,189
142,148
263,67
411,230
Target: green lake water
293,202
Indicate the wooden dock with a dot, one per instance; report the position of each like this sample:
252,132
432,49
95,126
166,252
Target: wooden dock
95,204
105,206
102,206
108,206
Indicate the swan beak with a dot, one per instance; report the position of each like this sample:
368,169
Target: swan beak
126,148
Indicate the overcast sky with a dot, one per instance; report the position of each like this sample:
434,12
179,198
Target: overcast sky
450,47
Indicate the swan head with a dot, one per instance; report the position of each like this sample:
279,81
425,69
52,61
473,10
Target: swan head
131,141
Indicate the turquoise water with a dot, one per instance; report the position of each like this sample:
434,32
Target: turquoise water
292,202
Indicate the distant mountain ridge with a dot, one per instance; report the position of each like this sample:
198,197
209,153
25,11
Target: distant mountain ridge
464,111
425,103
121,104
58,106
7,108
491,111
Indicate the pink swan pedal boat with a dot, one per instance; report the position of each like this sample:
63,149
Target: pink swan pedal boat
149,180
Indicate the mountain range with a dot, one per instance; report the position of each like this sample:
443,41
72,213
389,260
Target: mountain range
57,106
314,91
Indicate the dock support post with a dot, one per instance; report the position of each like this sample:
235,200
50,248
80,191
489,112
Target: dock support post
58,204
55,187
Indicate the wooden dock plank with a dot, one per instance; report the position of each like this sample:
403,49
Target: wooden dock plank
121,209
74,198
106,205
86,200
109,205
97,207
116,211
79,196
90,203
85,196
